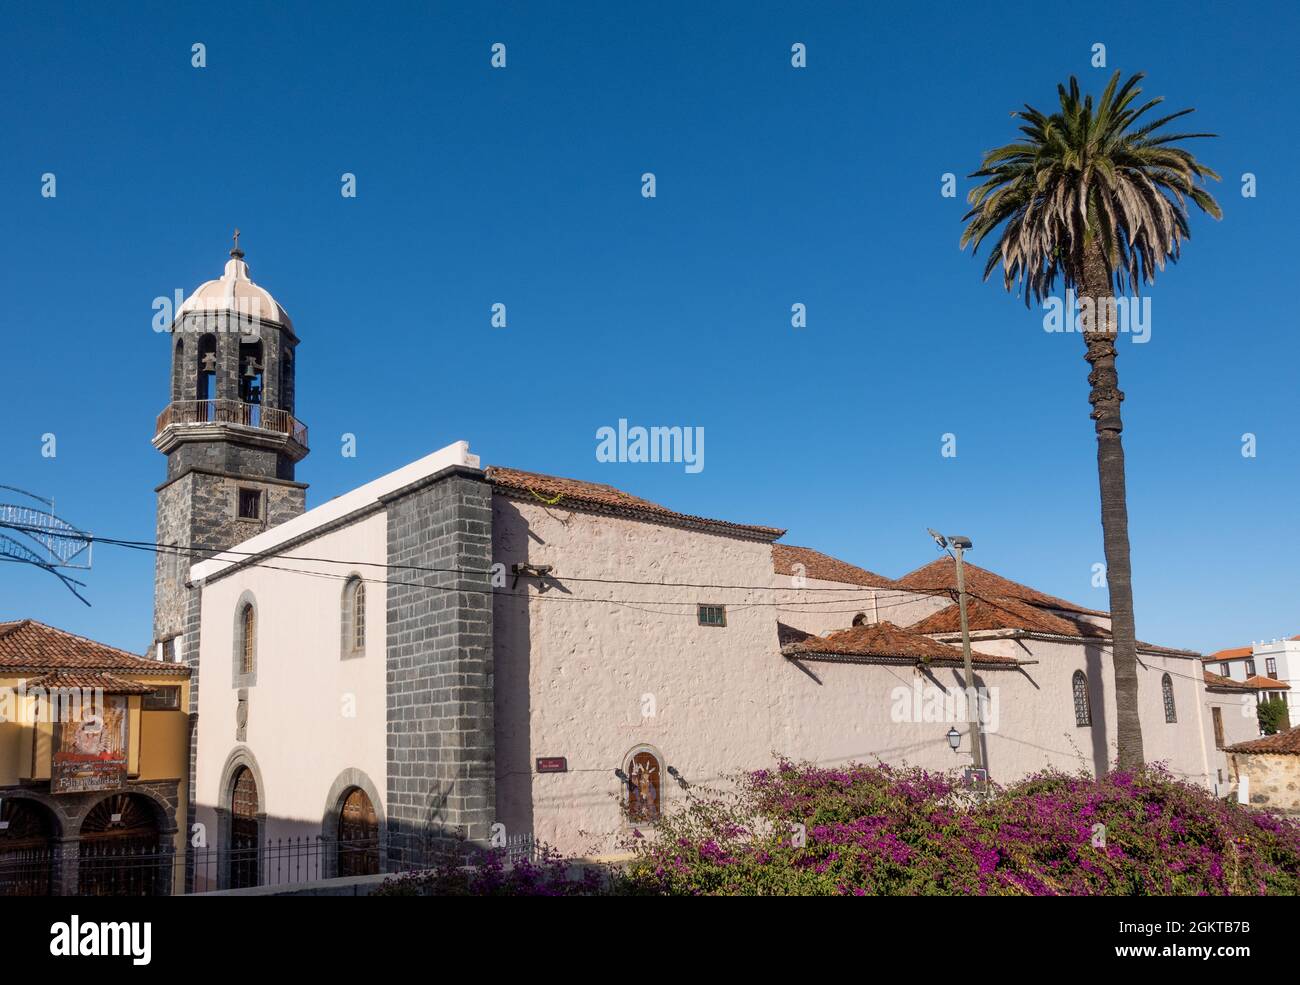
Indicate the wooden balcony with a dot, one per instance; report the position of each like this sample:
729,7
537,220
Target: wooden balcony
187,412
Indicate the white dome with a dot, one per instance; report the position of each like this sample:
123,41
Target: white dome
233,291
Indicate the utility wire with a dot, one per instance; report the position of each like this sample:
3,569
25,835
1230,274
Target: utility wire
874,600
545,597
210,553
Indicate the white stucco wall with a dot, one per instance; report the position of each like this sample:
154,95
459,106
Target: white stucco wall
590,680
311,714
1286,657
590,670
1044,721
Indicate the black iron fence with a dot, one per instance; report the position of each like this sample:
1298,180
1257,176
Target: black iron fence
130,870
134,870
27,872
281,862
519,848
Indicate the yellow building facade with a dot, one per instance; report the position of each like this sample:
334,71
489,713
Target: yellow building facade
94,760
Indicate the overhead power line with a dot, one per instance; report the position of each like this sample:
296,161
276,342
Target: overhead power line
544,597
181,550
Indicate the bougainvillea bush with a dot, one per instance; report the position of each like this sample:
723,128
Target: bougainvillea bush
488,872
873,830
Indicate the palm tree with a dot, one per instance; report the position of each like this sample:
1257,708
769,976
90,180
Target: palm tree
1094,197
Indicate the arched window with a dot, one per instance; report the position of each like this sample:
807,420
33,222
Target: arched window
644,786
1167,689
243,642
860,619
178,369
1082,707
247,639
206,380
250,373
359,615
354,617
286,380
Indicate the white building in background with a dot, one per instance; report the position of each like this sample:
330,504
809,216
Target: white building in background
1279,660
1271,667
1237,679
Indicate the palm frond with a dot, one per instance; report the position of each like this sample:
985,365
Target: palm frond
1082,178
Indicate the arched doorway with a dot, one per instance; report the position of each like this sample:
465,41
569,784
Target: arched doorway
26,848
244,844
358,835
120,849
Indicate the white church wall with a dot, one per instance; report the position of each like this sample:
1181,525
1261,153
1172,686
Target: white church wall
1046,722
591,681
839,712
311,713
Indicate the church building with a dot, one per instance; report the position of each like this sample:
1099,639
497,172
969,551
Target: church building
457,649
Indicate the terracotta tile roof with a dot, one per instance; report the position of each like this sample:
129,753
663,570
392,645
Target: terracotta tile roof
1262,683
941,575
1287,742
30,646
1153,648
1225,683
1005,613
823,567
885,640
1235,653
576,494
94,680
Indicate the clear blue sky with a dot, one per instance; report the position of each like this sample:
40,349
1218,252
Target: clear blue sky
775,186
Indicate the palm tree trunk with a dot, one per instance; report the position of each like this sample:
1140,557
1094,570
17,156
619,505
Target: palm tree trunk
1105,399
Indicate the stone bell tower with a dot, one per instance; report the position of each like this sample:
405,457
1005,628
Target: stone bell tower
229,434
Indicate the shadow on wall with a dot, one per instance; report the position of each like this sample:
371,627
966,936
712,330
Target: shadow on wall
1095,669
512,696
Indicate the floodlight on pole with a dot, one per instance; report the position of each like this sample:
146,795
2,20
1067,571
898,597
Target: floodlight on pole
956,546
960,546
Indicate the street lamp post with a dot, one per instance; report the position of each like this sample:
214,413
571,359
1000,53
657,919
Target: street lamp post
959,545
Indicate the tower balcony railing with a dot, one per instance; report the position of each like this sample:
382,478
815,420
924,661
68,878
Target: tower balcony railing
184,412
